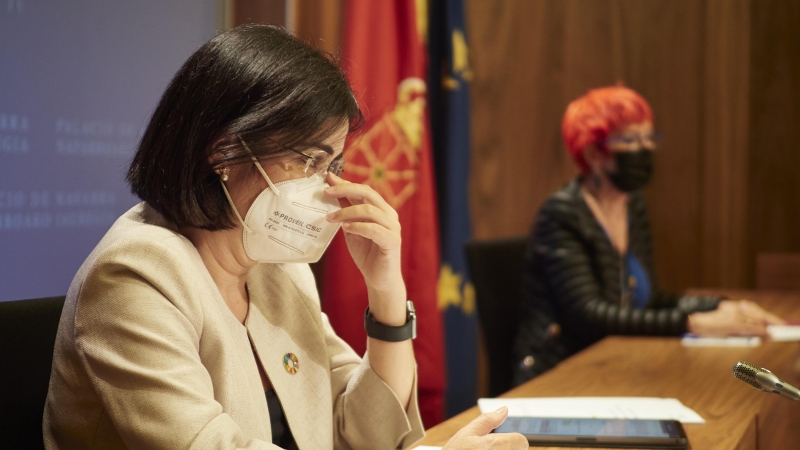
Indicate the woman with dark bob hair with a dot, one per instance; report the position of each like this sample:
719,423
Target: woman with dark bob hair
195,322
589,270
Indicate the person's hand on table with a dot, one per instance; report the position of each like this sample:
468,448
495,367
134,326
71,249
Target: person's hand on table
475,435
733,318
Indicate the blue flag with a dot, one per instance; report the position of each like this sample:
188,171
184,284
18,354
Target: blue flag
450,76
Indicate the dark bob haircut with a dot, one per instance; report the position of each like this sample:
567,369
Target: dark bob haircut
255,82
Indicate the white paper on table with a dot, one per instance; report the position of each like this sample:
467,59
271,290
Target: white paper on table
595,408
784,333
729,341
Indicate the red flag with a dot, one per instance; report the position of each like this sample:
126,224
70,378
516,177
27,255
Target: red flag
385,58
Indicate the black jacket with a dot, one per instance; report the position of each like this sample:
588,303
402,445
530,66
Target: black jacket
572,286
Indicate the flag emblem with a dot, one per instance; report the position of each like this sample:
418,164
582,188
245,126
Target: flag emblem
386,157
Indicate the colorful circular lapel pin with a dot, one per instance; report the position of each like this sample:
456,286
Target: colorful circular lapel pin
290,363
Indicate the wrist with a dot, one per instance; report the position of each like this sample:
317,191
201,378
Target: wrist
388,309
386,285
388,306
694,323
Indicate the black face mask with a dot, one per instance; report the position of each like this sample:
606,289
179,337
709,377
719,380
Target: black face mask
634,170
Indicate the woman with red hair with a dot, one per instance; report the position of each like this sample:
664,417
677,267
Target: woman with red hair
589,265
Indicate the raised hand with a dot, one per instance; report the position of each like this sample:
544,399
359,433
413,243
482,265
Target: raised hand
372,232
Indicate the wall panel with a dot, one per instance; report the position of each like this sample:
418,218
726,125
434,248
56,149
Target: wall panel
517,98
271,12
774,159
724,181
319,22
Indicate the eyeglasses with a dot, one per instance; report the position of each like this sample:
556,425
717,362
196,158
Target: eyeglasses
319,160
651,139
316,160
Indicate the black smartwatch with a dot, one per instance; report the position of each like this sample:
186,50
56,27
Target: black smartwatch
386,333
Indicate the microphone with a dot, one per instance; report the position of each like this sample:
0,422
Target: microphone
764,380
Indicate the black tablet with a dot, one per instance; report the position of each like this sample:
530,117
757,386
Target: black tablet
616,433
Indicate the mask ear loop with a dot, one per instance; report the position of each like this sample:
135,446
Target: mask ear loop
260,169
228,194
233,207
263,174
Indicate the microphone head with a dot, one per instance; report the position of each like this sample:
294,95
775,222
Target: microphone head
747,372
764,380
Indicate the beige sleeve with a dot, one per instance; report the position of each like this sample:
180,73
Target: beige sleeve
141,352
366,412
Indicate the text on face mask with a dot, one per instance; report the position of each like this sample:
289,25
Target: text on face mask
297,222
284,222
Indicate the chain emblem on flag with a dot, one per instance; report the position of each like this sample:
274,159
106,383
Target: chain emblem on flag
386,156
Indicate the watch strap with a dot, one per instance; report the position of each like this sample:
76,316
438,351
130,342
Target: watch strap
377,330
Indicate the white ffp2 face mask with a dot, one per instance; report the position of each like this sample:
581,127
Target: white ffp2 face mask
286,223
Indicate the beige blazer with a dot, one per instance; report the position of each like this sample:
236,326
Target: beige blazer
149,356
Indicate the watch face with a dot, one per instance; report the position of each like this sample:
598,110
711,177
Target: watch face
412,317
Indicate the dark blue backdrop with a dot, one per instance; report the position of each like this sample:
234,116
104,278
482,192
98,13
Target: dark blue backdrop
78,82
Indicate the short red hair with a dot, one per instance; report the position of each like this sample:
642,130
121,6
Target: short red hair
597,115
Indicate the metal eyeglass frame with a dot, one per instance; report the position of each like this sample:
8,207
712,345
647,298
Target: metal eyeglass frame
655,138
333,165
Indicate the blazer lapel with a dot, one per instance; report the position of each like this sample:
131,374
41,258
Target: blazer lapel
253,419
292,351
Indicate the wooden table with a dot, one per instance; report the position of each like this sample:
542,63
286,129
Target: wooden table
737,416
